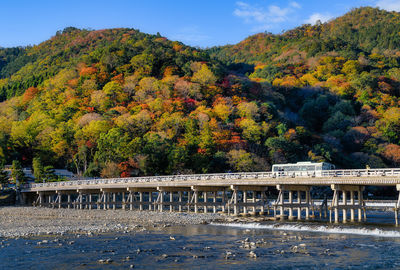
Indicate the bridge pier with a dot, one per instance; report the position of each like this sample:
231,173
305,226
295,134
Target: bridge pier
193,199
244,202
397,207
358,204
174,205
291,204
136,199
45,198
189,200
214,202
180,201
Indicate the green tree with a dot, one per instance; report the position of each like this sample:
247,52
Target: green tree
390,125
351,68
112,147
251,130
17,174
247,109
156,149
49,174
240,160
143,63
112,89
282,150
204,76
315,112
38,170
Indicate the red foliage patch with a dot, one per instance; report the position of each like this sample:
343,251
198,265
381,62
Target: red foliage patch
29,94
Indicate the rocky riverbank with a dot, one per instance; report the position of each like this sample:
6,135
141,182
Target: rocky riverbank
31,221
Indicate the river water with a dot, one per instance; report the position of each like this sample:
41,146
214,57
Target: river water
264,245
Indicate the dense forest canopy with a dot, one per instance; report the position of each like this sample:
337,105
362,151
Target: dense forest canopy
118,102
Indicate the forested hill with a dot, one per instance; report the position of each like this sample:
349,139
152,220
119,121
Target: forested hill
111,50
361,31
119,102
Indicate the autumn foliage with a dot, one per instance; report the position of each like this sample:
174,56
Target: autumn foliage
121,103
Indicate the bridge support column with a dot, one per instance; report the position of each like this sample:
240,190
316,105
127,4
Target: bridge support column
123,201
42,199
214,201
223,201
299,203
234,200
397,207
140,201
262,209
80,201
60,201
180,201
290,205
130,200
308,205
150,200
188,201
105,200
352,203
344,206
69,201
359,193
171,200
196,200
254,193
57,200
344,202
291,217
114,200
205,202
90,201
160,201
244,202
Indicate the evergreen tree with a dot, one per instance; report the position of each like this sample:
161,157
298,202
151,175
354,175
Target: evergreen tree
49,174
38,170
17,174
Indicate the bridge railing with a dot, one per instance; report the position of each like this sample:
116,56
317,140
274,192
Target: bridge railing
221,176
148,179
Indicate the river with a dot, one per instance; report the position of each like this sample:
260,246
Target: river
263,245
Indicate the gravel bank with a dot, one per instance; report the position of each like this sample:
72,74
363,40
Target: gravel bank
30,221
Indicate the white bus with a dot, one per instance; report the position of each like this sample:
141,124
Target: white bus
306,168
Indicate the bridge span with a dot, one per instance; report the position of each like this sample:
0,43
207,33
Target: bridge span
231,193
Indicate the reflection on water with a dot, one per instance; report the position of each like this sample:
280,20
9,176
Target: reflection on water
251,246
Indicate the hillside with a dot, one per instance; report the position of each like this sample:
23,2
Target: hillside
119,102
361,31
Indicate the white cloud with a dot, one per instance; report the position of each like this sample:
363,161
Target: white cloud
295,5
264,18
390,5
318,17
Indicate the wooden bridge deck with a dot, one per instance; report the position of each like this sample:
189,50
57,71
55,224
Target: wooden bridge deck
237,193
371,177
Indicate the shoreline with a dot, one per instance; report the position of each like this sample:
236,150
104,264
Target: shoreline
18,221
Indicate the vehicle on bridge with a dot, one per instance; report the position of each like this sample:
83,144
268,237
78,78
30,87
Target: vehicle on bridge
305,168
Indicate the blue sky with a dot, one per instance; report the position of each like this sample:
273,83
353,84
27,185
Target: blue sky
201,23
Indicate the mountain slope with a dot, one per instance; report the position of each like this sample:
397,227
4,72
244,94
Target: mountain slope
118,102
110,48
363,30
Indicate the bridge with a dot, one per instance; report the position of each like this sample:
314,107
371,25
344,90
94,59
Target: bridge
231,193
